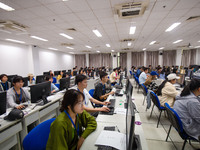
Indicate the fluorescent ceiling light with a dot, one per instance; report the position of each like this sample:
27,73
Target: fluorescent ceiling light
153,42
5,31
6,7
144,49
197,47
88,46
112,50
98,51
38,38
161,48
52,48
108,45
97,33
15,41
172,27
177,41
67,36
69,47
198,41
129,43
132,30
65,0
71,52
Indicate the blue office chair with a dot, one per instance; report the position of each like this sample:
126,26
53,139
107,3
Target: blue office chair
91,92
54,80
131,73
145,91
137,83
37,138
156,102
177,124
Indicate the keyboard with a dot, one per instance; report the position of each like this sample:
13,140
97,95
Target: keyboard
103,147
112,103
109,128
118,87
117,91
111,112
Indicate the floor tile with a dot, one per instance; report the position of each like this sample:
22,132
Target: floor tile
158,145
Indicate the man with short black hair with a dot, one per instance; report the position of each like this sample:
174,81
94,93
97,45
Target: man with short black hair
143,76
100,89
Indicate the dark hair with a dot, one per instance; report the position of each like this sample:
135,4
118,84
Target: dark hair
70,99
2,75
158,68
17,79
47,77
114,69
193,85
102,74
145,69
80,78
159,91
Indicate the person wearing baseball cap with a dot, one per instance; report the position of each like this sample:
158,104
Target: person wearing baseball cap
166,91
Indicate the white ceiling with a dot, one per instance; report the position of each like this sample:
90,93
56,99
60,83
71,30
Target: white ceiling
48,18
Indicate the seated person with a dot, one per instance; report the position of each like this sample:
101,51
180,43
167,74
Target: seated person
100,89
187,105
73,125
72,73
52,75
53,87
60,76
17,94
4,84
166,91
31,80
159,70
114,76
81,82
143,76
153,76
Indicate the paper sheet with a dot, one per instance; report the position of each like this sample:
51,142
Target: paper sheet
113,139
120,111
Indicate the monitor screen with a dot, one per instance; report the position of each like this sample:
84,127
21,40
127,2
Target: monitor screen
46,73
127,85
64,71
40,91
74,73
120,79
25,79
64,83
56,73
39,79
130,125
2,103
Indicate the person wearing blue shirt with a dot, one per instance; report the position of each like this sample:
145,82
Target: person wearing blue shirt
138,72
53,87
143,76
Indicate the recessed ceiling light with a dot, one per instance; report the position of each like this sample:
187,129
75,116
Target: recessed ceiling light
112,50
65,0
22,42
38,38
98,51
67,36
198,41
6,7
132,30
161,48
88,46
197,47
177,41
144,49
153,42
52,48
108,45
98,34
69,47
129,43
172,27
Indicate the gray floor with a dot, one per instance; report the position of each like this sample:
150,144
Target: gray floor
156,136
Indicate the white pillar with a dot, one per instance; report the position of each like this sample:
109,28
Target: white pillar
114,59
129,57
160,58
178,57
87,60
145,59
198,57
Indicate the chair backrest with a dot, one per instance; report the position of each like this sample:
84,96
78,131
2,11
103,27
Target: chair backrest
37,138
175,121
91,92
137,80
145,90
155,99
131,73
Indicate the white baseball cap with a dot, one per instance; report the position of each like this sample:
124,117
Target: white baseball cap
172,76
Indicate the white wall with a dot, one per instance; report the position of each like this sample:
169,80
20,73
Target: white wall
22,59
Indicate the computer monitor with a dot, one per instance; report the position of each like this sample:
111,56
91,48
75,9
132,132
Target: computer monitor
2,102
56,73
25,79
74,73
64,83
92,74
120,80
127,85
10,79
46,73
40,92
97,73
39,79
64,71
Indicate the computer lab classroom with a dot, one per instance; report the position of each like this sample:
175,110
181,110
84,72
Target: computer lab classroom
99,74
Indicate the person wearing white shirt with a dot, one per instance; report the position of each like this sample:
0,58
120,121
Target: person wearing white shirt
81,82
143,76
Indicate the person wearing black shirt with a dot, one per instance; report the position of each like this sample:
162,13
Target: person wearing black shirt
4,84
100,89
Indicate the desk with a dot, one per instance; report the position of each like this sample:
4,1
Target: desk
118,120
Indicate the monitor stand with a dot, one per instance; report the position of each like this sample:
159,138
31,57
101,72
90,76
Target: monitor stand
137,143
125,105
43,101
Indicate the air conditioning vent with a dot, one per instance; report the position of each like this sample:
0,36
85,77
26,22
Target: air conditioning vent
13,26
71,29
126,49
129,10
127,40
86,51
67,44
193,18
